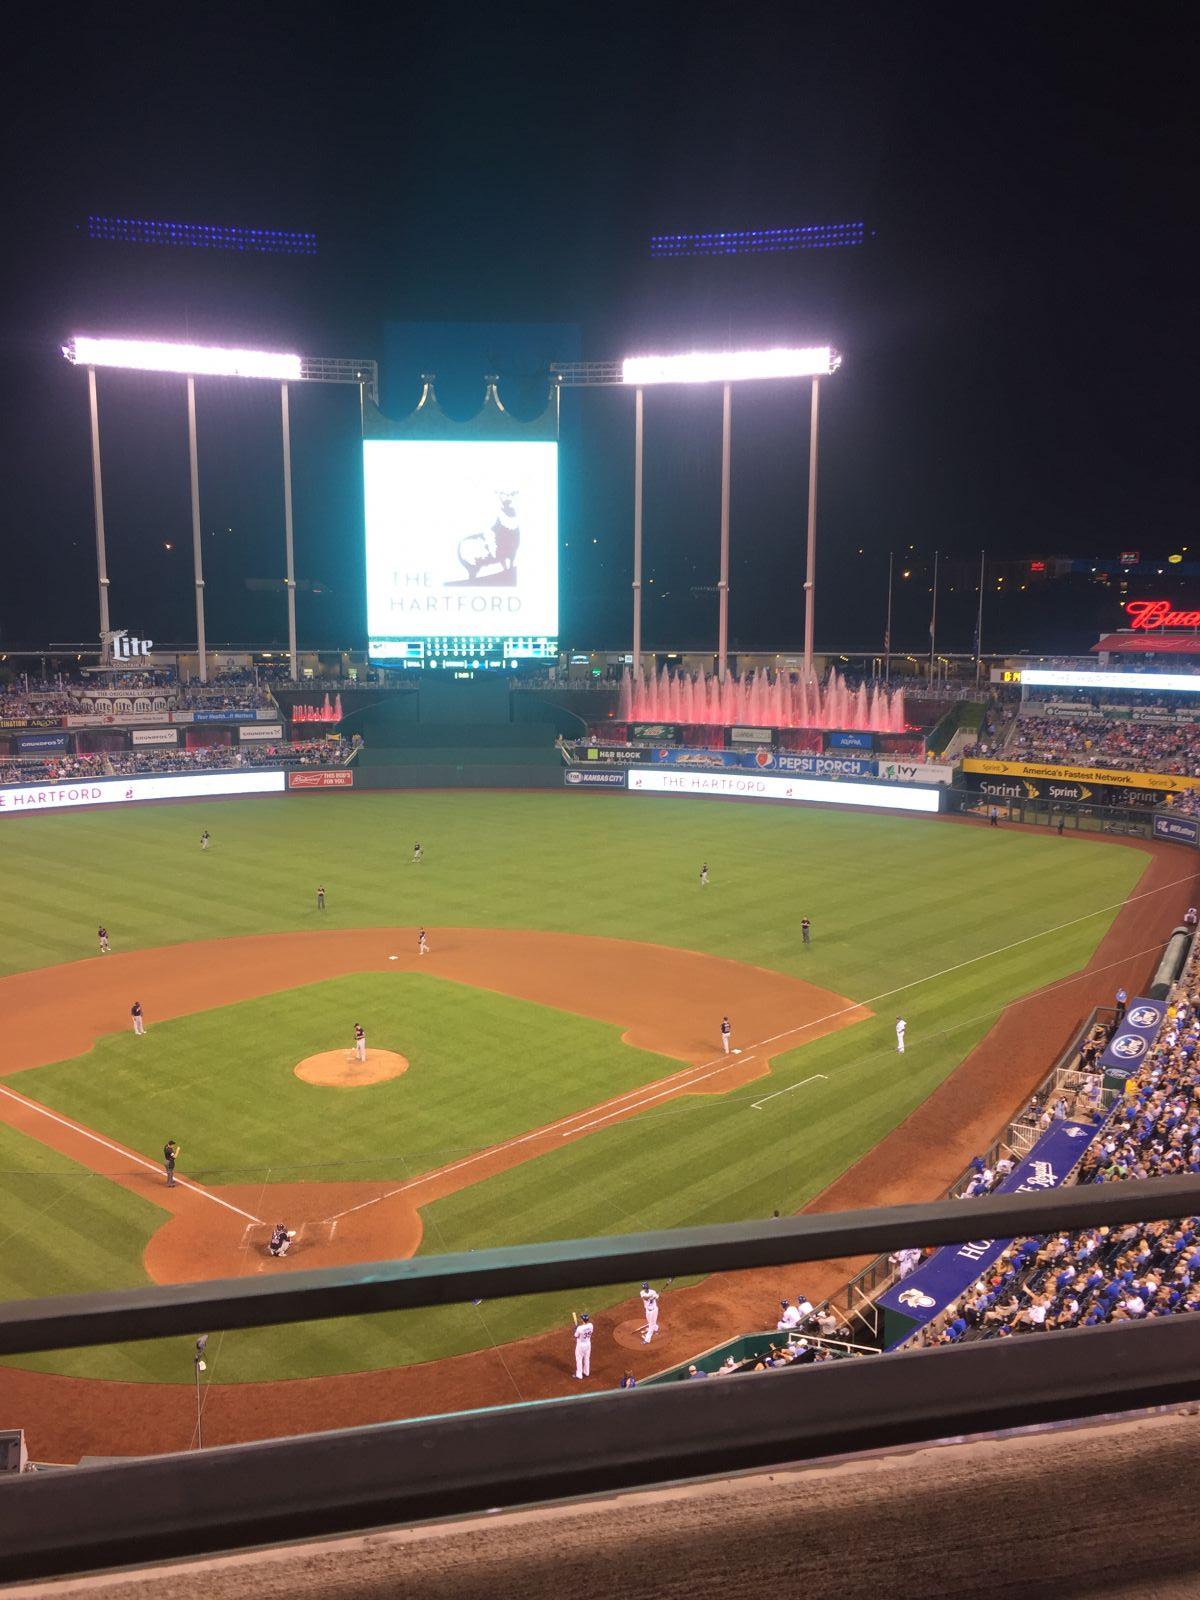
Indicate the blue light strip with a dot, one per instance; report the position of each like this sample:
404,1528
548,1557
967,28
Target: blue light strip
759,241
202,236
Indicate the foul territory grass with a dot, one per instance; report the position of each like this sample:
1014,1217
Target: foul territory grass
961,921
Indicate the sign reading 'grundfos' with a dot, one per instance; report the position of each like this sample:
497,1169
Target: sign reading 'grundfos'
117,791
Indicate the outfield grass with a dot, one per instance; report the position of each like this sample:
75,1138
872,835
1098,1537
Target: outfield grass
890,898
960,921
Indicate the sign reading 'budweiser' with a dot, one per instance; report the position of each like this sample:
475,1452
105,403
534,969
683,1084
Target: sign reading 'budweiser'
1150,615
322,778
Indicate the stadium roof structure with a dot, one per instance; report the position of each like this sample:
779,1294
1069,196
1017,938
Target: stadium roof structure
1142,643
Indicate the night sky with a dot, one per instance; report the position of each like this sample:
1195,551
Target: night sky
1019,330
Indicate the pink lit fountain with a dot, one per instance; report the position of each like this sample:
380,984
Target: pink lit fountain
758,700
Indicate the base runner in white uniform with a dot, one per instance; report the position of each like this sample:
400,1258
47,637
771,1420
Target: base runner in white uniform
901,1025
583,1347
650,1308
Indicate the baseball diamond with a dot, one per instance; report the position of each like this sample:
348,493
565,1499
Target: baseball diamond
560,1062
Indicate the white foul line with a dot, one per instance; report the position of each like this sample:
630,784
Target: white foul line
756,1105
678,1088
77,1127
492,1150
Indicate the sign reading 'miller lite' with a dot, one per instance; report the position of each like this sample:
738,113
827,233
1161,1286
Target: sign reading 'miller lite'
950,1271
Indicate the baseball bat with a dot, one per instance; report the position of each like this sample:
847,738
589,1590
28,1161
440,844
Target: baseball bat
575,1318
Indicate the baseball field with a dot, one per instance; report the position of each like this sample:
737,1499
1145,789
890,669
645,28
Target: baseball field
556,1062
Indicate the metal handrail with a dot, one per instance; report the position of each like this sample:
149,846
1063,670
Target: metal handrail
78,1321
170,1507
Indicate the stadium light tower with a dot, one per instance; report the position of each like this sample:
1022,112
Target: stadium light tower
728,368
191,360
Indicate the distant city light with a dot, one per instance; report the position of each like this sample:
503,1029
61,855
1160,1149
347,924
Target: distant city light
203,236
730,366
148,355
759,241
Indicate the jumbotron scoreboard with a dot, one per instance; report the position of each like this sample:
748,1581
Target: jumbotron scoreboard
461,552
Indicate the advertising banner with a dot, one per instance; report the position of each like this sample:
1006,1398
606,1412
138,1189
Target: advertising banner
30,743
116,791
712,759
1100,679
752,736
950,1271
1049,789
743,785
915,772
1062,708
763,761
850,740
654,732
141,736
31,722
110,719
1181,830
322,778
461,542
614,754
1127,1048
592,778
1113,777
260,730
201,715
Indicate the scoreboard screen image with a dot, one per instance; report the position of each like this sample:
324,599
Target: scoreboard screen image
461,551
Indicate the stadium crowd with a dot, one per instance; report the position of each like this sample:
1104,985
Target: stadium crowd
1097,741
219,757
210,758
60,769
1102,1274
64,697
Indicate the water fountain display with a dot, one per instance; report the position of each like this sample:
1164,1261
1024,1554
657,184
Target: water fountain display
759,700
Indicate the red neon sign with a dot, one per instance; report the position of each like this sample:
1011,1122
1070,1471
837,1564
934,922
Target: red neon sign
1150,615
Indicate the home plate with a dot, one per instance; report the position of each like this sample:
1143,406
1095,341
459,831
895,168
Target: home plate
393,958
737,1052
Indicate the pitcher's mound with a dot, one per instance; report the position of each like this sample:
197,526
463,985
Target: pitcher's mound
339,1069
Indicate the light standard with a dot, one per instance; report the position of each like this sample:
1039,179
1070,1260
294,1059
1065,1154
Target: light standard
192,361
200,1365
727,368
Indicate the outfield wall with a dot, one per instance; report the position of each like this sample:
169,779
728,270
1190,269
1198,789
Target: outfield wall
17,799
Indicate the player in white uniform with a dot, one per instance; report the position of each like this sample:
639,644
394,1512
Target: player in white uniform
583,1347
726,1034
704,875
422,943
789,1317
360,1041
650,1308
417,854
204,840
901,1026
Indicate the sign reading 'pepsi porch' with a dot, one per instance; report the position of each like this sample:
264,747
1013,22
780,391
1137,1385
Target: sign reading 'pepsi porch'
1129,1046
